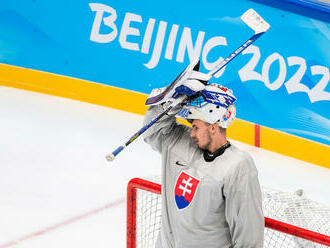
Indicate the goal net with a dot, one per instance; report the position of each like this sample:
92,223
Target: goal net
292,220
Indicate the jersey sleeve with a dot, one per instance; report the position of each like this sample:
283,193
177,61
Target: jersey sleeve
244,213
163,132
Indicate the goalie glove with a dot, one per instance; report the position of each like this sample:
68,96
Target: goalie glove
188,83
192,85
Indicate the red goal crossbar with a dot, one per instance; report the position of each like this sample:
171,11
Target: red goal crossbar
142,184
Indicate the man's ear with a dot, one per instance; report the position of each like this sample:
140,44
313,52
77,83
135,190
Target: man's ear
214,128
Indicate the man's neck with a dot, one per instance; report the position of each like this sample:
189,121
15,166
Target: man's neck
217,143
211,156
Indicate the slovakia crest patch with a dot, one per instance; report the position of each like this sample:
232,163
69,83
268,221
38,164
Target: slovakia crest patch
185,189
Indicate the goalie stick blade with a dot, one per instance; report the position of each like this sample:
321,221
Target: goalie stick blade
255,21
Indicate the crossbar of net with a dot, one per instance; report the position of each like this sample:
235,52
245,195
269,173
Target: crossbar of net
286,207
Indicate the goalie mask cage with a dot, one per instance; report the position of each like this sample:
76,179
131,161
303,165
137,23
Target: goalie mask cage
292,220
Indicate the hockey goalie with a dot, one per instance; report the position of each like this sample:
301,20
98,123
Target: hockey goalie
211,195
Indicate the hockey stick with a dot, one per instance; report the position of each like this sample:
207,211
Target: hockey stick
256,23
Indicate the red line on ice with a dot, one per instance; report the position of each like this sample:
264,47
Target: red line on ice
61,224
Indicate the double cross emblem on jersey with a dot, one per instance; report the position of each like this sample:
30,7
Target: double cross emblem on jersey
185,189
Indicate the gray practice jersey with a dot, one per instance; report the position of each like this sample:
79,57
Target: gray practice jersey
214,204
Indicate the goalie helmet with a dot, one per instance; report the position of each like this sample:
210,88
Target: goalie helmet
214,105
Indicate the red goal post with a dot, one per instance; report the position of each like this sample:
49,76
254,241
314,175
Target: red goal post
277,233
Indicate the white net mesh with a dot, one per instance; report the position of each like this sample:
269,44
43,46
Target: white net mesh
290,208
297,210
148,218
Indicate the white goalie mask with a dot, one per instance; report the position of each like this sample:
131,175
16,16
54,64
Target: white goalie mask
214,105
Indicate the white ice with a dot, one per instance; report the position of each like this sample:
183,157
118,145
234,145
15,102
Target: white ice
53,172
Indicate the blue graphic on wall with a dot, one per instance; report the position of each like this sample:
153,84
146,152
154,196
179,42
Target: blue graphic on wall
281,81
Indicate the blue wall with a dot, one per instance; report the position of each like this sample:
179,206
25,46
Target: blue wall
282,81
